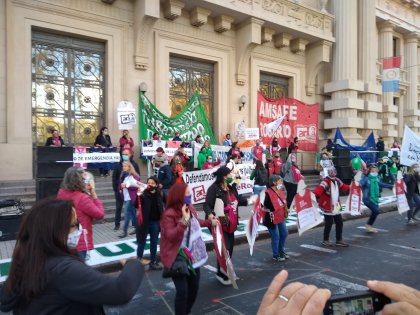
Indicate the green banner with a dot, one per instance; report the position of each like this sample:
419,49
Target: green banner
192,121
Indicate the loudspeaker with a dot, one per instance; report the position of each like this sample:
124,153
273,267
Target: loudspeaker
341,153
344,172
52,154
47,187
52,169
338,162
9,226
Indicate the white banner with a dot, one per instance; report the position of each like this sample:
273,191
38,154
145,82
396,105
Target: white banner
126,115
252,133
220,152
150,151
200,181
410,149
96,157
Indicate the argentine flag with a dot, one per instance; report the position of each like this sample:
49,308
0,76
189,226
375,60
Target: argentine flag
391,74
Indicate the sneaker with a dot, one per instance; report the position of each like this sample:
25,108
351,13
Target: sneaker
116,228
411,222
124,234
154,265
132,232
285,255
144,261
341,244
326,243
279,258
223,279
371,229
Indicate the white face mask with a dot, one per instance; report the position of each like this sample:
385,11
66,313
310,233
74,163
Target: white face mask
279,186
73,238
374,174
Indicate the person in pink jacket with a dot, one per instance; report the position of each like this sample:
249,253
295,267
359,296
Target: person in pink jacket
77,188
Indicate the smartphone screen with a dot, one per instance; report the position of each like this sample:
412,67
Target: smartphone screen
366,303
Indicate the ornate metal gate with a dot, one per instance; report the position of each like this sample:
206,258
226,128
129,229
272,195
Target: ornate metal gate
67,88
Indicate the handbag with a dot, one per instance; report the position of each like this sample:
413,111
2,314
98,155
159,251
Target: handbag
179,267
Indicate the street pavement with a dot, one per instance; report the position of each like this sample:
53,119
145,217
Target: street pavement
392,254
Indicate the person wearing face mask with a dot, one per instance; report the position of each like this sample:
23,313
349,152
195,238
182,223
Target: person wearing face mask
126,142
103,141
275,215
152,209
209,164
129,195
412,181
177,169
48,277
257,150
293,147
370,187
274,147
126,155
328,197
291,177
181,235
86,202
260,176
224,188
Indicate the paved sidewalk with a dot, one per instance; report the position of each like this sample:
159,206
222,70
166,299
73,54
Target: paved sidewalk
109,248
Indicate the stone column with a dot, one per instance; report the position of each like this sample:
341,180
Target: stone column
344,103
411,61
368,54
389,115
3,115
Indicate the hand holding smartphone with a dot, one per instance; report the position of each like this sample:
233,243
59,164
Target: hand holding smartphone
364,303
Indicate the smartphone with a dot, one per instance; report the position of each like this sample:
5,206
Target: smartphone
361,303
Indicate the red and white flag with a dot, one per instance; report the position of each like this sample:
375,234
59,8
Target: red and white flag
251,227
399,191
353,203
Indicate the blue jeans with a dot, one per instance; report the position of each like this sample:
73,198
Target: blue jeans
278,238
129,213
374,208
153,230
414,203
258,189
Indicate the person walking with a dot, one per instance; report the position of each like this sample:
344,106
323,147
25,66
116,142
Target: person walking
129,195
224,188
126,155
88,207
412,181
291,177
260,176
328,197
46,274
371,184
274,219
151,209
181,236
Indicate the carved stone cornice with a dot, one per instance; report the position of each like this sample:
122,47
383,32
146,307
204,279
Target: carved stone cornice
267,34
387,26
172,9
413,37
223,23
298,45
198,16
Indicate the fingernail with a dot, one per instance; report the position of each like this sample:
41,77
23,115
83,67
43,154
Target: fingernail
372,282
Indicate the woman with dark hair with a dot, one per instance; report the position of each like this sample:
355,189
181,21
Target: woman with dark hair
260,177
129,195
275,216
291,177
81,191
235,150
151,209
224,189
181,235
103,140
55,140
274,147
47,275
293,147
412,181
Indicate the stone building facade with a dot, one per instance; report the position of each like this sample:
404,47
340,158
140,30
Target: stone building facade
66,64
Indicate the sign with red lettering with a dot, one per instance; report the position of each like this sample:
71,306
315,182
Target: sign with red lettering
301,121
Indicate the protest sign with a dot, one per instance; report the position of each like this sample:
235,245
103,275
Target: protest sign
410,149
300,120
399,190
126,115
307,214
151,150
252,133
353,203
192,121
96,157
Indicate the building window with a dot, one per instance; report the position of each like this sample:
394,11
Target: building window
274,86
187,76
67,88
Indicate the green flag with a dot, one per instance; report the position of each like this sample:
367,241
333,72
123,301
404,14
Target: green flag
192,121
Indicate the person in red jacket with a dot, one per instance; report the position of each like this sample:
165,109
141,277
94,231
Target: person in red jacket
86,202
178,220
126,142
277,162
328,196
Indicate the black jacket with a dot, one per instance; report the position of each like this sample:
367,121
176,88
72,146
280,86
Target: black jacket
75,288
104,141
380,146
116,174
50,141
411,181
215,191
152,209
166,176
